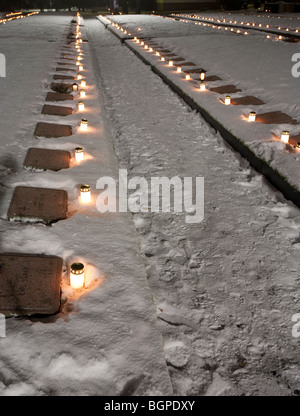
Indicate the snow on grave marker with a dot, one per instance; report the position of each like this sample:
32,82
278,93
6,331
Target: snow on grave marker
38,205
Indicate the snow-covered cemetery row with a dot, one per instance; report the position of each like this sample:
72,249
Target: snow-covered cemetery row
169,307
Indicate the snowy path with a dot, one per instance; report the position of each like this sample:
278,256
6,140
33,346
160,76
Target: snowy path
225,289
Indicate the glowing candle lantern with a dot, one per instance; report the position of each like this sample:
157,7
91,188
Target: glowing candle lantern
80,68
252,116
202,75
75,87
82,93
187,77
157,54
142,43
178,69
80,106
137,41
135,38
79,76
285,136
83,83
78,154
162,59
146,47
85,193
77,275
227,100
77,63
170,63
84,124
202,86
150,49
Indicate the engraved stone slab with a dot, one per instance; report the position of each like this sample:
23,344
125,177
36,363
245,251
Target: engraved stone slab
225,89
69,64
212,78
64,69
193,70
188,64
248,100
52,130
29,284
65,77
275,117
56,96
38,205
55,110
47,159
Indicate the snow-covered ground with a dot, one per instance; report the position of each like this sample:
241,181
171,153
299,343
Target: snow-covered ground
172,308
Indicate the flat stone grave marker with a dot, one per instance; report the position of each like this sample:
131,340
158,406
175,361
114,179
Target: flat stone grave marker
212,78
57,96
194,70
275,117
50,130
63,77
248,100
178,59
29,284
46,159
55,110
225,89
66,64
64,70
38,205
188,64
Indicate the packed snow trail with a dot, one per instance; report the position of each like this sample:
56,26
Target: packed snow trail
225,289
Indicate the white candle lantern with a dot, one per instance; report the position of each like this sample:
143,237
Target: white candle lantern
202,86
75,87
146,47
202,75
170,63
85,193
227,100
80,106
252,116
285,136
83,83
79,76
187,77
78,154
80,68
157,54
178,69
150,49
77,275
162,59
82,93
84,124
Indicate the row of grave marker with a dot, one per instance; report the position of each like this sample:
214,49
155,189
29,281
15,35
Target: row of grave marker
31,284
